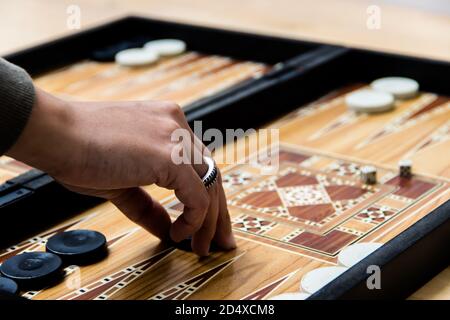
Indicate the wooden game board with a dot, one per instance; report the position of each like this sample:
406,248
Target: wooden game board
287,223
183,79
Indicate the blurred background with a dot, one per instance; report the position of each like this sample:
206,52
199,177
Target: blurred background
415,27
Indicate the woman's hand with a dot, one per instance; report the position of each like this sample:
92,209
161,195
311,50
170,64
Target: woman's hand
110,149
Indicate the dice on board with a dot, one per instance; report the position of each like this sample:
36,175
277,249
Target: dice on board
369,175
405,168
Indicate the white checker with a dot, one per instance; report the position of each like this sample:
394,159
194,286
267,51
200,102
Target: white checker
400,87
318,278
136,57
291,296
353,254
367,100
166,47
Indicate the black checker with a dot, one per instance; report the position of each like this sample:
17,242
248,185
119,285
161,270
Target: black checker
8,286
78,247
33,270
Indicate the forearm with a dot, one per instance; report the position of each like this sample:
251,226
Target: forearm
16,103
47,140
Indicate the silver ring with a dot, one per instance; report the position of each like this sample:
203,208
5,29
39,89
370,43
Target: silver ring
210,178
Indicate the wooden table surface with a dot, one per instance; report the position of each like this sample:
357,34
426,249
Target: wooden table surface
419,29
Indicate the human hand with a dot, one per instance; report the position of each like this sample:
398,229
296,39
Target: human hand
111,149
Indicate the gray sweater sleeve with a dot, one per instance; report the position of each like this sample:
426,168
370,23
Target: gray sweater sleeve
16,102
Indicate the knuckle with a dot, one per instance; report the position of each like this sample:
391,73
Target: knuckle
173,108
171,130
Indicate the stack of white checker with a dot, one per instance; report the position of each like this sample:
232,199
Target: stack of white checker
316,279
150,53
381,95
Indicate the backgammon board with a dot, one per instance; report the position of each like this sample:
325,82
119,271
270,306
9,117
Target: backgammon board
291,221
286,224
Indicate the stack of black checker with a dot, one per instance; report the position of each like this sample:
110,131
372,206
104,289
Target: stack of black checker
37,269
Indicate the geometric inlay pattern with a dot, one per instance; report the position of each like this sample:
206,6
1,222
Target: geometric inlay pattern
376,215
236,179
183,290
342,168
299,194
268,289
105,287
252,224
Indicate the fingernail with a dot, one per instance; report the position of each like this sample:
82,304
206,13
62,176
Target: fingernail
230,242
205,252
